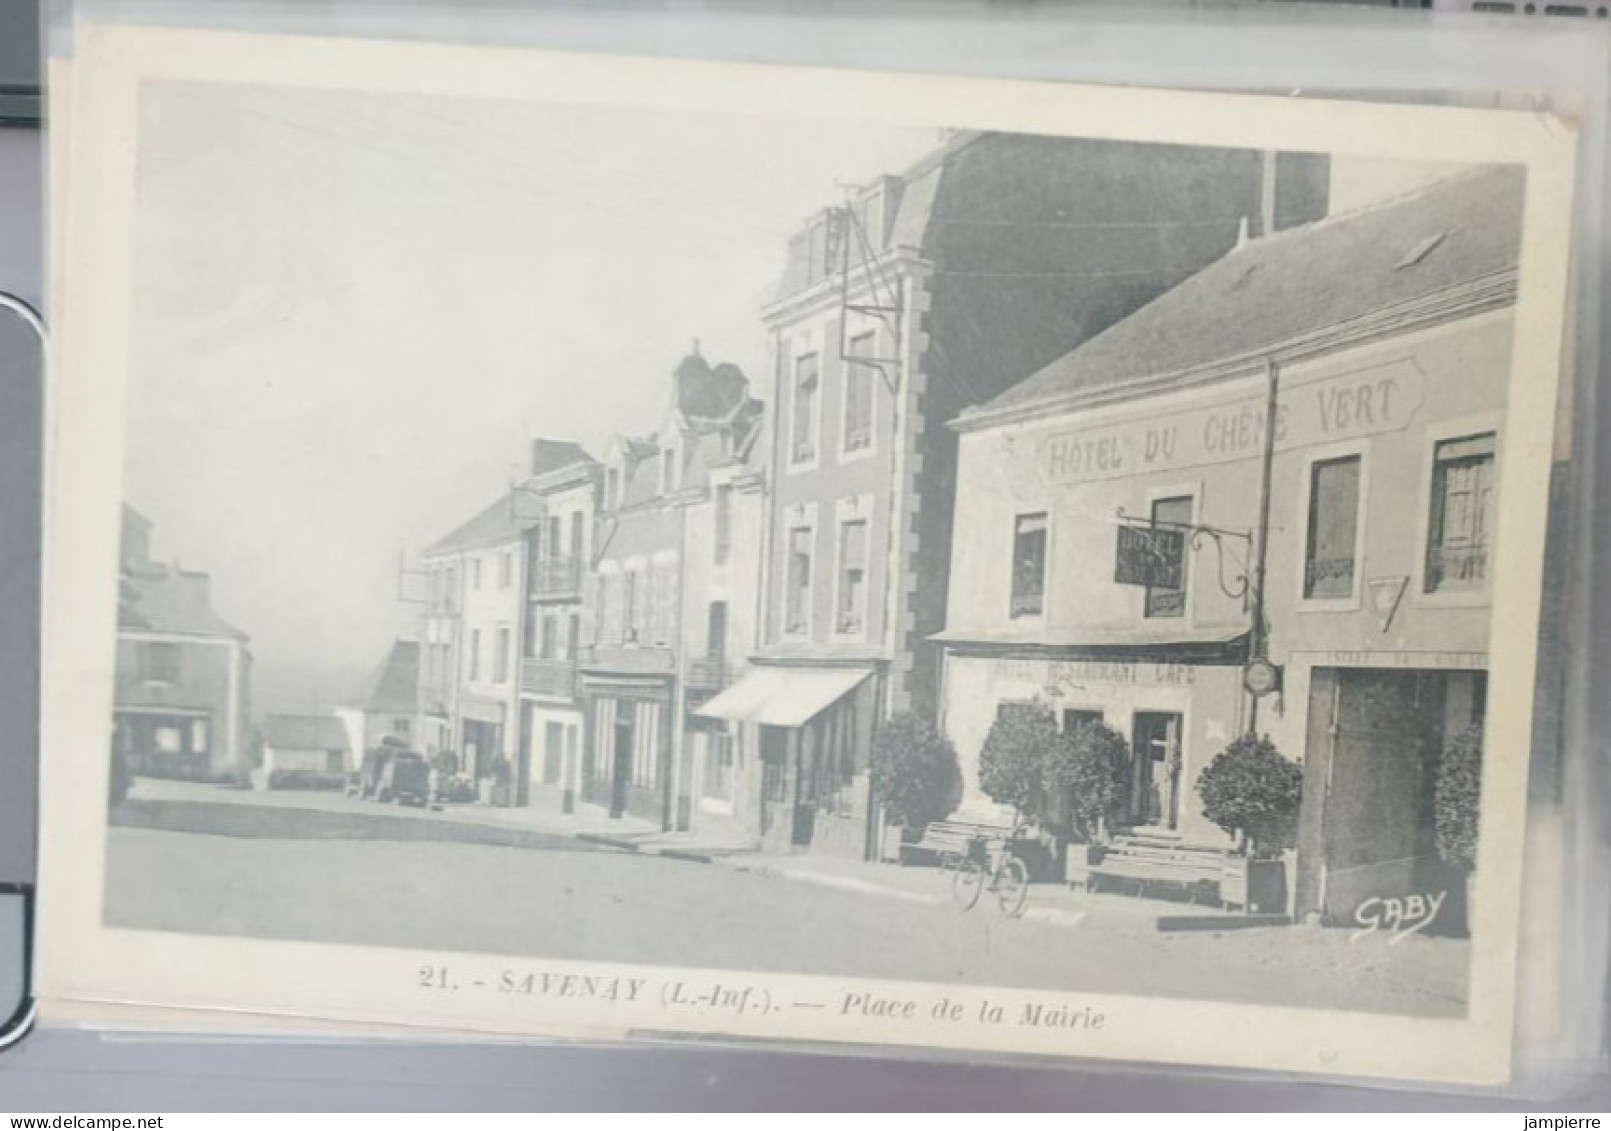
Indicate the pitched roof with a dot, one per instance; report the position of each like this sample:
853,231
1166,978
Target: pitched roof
160,598
395,684
304,732
552,455
1298,282
500,523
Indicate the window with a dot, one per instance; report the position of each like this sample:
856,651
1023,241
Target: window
1462,497
1170,602
452,596
851,613
198,736
501,673
859,377
1074,718
553,549
716,630
475,574
576,539
668,470
722,520
629,606
719,762
797,601
612,488
649,631
1029,565
1008,708
401,726
159,663
1328,568
804,447
475,653
506,570
550,638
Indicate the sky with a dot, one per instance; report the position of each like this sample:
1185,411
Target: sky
355,310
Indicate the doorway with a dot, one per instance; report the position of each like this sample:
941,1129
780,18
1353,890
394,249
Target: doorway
553,752
1155,769
626,733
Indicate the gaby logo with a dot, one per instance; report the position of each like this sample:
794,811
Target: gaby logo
1401,914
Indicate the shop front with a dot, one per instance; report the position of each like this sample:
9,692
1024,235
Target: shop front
1377,736
1174,712
812,729
627,746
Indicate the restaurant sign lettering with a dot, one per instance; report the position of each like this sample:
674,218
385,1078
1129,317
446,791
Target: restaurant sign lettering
1052,673
1317,410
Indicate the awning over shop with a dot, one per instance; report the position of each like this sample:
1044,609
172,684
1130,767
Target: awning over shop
481,711
783,697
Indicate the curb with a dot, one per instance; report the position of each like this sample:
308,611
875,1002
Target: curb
606,840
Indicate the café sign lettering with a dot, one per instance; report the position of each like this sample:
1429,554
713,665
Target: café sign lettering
1308,412
1051,673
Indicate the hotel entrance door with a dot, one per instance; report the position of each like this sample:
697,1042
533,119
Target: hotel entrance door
1155,769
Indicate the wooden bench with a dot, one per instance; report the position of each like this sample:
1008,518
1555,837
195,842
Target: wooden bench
946,842
1149,862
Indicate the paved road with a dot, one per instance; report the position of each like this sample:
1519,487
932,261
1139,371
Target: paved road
564,901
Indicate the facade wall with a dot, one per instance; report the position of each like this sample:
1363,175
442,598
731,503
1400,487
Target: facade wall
1390,402
718,770
833,485
490,654
202,679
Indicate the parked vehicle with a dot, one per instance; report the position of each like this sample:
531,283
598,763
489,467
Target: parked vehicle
390,773
406,779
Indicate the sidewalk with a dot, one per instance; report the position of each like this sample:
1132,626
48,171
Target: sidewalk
544,815
1053,903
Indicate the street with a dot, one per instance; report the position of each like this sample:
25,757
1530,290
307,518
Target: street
369,880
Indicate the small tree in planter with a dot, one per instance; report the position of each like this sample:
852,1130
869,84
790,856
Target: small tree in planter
1022,744
916,775
1013,760
1252,792
1456,801
1087,769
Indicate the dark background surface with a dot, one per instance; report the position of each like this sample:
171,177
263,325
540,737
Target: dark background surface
61,1070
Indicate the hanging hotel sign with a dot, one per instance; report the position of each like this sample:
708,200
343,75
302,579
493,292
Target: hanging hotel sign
1150,556
1317,410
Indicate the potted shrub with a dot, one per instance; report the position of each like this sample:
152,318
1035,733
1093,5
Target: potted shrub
1014,763
1253,792
1086,770
1457,798
917,779
503,775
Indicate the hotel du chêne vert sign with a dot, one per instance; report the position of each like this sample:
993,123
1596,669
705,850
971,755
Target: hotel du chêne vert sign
1310,410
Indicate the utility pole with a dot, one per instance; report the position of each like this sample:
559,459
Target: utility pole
1258,640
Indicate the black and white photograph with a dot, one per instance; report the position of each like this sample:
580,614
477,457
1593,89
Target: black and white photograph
700,550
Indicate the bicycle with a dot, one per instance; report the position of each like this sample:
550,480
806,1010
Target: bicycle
1001,871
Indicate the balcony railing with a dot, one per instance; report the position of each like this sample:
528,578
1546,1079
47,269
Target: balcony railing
548,677
557,577
709,674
